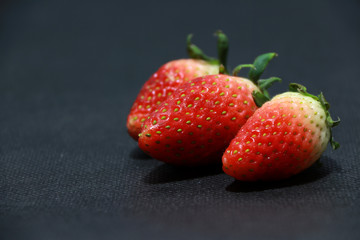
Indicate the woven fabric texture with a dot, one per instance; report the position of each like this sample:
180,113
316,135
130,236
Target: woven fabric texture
69,73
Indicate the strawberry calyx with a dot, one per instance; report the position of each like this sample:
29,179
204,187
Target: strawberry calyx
256,70
195,52
330,123
260,64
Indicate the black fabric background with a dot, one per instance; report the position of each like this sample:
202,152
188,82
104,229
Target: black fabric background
69,72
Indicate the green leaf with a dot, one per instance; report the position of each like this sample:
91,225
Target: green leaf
266,83
336,122
222,69
323,101
330,122
260,64
259,98
335,145
196,53
295,87
241,66
266,93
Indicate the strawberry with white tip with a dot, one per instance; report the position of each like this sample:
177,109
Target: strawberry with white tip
168,77
282,138
196,124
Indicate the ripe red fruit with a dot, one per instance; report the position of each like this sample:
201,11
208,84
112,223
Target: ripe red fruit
166,80
161,85
199,120
196,124
283,137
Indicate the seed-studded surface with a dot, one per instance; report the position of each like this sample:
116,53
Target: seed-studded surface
282,138
196,124
161,85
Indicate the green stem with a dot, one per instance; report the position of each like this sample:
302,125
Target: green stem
222,48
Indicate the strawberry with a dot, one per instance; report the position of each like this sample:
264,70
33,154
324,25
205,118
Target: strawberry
196,124
282,138
168,77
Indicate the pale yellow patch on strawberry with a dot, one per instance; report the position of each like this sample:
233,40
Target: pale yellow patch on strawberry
311,117
195,66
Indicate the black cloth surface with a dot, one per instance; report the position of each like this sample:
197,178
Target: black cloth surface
69,73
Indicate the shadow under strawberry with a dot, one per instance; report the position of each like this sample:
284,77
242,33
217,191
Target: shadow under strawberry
319,170
138,154
166,173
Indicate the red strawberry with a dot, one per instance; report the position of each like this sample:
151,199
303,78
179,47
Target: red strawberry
165,81
196,124
283,137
